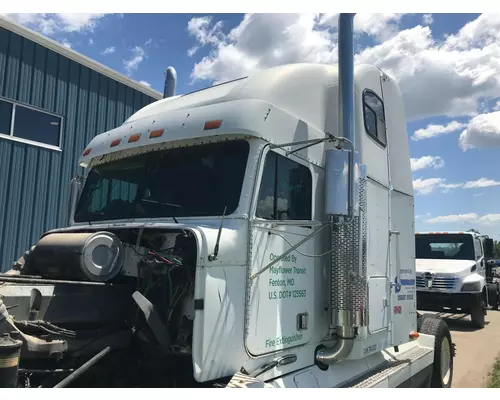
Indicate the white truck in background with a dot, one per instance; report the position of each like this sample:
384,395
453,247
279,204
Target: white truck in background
254,233
452,274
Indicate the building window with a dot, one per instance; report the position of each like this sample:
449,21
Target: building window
374,116
29,125
5,117
285,191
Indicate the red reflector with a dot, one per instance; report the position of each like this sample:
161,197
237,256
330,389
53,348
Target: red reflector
156,133
212,124
134,138
115,142
87,152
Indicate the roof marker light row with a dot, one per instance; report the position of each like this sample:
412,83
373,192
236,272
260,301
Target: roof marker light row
215,124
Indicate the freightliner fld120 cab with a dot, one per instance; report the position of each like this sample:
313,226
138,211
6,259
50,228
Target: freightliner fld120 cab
254,233
453,274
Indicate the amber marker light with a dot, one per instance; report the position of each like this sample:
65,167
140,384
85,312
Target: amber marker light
155,134
212,125
134,138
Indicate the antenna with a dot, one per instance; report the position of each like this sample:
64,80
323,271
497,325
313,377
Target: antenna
213,256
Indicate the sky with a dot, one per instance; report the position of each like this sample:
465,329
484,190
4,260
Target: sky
447,66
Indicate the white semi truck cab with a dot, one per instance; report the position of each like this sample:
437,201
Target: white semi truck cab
255,233
451,273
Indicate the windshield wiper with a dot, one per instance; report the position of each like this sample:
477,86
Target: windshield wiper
164,204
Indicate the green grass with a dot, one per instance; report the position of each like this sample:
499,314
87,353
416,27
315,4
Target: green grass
495,375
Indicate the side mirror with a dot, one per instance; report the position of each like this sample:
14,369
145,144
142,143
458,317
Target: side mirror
75,189
488,248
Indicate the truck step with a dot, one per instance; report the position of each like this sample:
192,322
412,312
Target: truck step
240,380
380,375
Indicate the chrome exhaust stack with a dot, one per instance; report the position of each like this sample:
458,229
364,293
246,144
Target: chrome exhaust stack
345,205
170,82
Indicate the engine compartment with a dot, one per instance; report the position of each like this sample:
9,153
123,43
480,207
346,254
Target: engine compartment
74,293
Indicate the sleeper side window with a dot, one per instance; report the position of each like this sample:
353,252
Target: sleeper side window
374,116
285,190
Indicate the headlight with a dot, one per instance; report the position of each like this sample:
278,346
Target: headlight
471,287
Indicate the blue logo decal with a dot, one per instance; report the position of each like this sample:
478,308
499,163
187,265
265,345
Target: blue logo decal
397,286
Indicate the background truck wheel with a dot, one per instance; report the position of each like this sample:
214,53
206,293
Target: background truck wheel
442,368
420,319
493,296
477,311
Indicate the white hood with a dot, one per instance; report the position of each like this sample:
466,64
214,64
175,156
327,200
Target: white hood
446,266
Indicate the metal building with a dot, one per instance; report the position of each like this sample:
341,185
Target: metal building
53,100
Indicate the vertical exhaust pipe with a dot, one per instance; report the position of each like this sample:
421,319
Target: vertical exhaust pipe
346,96
170,82
346,76
340,295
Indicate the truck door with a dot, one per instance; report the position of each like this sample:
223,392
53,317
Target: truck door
279,309
401,232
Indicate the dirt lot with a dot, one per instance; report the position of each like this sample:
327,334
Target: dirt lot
476,349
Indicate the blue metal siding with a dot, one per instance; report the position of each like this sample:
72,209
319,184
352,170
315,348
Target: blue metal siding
34,181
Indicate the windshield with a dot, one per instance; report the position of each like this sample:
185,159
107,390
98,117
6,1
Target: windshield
444,247
181,182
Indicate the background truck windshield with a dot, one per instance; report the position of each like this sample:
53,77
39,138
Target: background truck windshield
444,247
181,182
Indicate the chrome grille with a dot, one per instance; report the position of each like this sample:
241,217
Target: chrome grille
437,282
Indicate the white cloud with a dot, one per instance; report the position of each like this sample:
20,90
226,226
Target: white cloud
489,219
435,162
426,186
50,24
433,130
259,41
422,216
192,51
91,41
436,77
200,27
446,187
427,19
382,26
145,83
66,43
108,50
470,218
480,183
478,194
138,55
457,218
496,107
483,131
430,185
